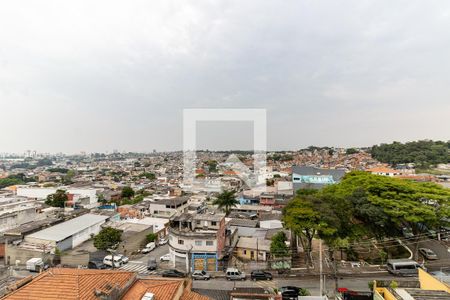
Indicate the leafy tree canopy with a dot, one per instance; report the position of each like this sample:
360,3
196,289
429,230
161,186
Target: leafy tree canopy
363,205
149,176
278,247
151,237
127,192
58,199
422,153
107,238
384,204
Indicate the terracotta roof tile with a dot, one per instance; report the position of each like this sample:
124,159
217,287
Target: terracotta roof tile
163,289
71,284
68,284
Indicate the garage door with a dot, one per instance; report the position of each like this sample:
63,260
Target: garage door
211,264
199,264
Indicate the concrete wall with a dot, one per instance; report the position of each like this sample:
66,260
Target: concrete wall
39,193
14,253
246,254
17,218
189,243
65,244
84,235
75,260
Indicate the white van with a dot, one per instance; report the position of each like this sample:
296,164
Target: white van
117,261
149,247
403,267
35,264
234,274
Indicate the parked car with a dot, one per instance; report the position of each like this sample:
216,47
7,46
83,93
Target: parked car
289,292
234,274
149,247
173,273
99,265
165,257
260,275
200,275
108,260
403,267
163,241
428,253
151,264
123,258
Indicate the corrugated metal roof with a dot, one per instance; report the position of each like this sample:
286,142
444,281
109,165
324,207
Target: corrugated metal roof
66,229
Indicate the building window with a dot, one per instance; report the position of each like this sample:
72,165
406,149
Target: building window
198,222
213,223
180,242
245,252
209,243
198,243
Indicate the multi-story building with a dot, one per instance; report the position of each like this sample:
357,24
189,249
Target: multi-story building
15,211
89,195
197,240
166,208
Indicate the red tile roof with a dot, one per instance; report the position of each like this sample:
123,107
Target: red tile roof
62,283
80,284
163,289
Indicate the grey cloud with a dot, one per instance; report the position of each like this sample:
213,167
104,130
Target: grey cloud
76,75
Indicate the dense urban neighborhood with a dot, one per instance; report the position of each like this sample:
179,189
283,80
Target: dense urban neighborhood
356,222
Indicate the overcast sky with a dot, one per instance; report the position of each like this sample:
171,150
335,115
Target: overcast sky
103,75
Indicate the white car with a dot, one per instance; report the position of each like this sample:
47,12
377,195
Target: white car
163,241
123,257
108,260
165,257
149,247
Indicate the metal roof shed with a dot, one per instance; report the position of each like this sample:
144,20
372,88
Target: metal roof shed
69,234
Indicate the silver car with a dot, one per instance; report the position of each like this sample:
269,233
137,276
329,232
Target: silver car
428,253
200,275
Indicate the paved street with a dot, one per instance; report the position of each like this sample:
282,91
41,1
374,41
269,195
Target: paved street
353,283
138,263
156,253
441,250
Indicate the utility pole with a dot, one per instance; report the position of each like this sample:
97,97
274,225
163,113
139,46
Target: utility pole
336,283
257,251
320,268
112,251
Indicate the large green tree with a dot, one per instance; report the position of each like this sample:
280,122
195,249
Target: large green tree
364,206
57,199
226,200
127,192
278,247
422,153
108,237
380,206
309,216
383,203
